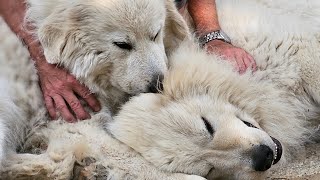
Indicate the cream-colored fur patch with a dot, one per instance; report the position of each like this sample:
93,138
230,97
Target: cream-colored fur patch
155,136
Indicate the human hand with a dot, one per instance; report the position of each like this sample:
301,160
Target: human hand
60,90
238,57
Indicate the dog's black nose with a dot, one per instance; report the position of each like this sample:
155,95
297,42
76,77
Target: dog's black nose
262,158
156,84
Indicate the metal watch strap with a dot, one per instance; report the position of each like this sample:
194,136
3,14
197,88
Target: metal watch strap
215,35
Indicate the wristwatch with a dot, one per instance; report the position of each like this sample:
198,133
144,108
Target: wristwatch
215,35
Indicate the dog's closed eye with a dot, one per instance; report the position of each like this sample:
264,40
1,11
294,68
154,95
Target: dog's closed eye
249,124
208,126
246,122
155,37
123,45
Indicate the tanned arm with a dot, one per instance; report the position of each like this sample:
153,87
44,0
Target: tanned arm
13,13
204,15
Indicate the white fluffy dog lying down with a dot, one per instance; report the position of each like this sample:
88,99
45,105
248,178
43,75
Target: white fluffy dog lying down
208,121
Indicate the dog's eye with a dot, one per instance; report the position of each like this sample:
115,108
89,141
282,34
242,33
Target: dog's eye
155,37
208,125
123,45
249,124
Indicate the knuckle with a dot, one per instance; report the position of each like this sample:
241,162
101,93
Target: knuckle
60,107
75,104
59,84
47,98
59,89
48,94
85,93
72,81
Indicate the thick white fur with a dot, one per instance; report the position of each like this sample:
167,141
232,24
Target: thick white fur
167,130
281,98
59,145
285,46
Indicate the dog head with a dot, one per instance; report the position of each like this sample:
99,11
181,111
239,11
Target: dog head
113,43
208,121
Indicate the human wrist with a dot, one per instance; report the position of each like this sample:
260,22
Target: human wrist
37,55
218,37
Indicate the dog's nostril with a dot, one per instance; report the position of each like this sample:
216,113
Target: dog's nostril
262,158
156,84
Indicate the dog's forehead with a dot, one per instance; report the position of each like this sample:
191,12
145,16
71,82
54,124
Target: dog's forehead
133,17
145,15
135,11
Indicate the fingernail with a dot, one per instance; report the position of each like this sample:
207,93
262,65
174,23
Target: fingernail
97,108
71,120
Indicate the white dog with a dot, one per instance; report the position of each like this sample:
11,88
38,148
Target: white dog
208,121
211,122
112,46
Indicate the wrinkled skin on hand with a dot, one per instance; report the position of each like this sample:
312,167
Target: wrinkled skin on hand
61,91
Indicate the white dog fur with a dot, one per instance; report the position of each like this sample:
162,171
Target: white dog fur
93,57
87,31
167,129
281,98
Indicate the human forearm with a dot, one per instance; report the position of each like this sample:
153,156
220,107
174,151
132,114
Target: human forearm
204,15
13,12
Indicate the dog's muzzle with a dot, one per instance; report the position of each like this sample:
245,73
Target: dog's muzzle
263,156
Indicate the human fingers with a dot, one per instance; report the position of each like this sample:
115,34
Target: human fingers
247,61
76,106
50,107
253,63
85,93
240,62
62,107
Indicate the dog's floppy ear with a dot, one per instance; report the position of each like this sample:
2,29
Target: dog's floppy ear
57,34
176,28
52,39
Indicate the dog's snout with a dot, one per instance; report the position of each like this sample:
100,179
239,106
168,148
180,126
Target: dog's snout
262,158
156,84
